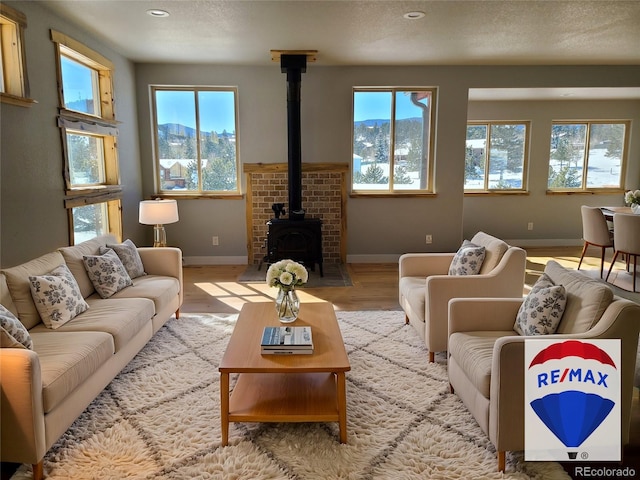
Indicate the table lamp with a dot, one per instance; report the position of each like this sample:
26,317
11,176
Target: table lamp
158,212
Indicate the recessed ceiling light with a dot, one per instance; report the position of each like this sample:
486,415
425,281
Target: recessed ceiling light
414,15
155,12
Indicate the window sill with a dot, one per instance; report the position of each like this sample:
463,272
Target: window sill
496,193
391,194
199,196
15,100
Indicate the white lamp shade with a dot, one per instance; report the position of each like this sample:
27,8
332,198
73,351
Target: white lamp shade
158,212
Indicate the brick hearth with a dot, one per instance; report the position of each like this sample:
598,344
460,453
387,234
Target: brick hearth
323,196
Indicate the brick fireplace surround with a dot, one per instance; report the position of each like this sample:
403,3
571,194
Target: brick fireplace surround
324,193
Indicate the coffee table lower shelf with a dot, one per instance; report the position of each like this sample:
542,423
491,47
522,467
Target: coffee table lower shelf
286,397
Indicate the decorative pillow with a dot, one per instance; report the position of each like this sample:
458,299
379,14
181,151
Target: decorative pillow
128,254
13,333
57,297
107,273
467,260
542,309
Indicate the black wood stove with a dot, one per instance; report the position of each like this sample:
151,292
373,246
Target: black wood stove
296,238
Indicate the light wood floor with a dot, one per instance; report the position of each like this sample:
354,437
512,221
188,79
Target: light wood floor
214,289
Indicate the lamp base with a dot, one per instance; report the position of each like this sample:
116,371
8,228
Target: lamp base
159,236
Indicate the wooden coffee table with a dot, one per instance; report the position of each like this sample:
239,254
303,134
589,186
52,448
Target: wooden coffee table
284,388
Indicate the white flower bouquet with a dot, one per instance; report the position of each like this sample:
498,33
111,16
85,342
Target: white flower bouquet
286,275
632,197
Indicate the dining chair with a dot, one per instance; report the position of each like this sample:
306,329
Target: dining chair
595,231
626,237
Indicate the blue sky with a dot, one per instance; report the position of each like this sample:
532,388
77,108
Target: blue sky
217,110
373,105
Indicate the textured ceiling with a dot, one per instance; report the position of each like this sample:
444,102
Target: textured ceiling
374,32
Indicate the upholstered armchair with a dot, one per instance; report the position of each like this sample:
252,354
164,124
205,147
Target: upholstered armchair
425,287
486,356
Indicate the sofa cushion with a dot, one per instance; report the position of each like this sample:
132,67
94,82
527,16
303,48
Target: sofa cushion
542,309
73,258
122,318
587,298
20,288
128,254
162,290
467,260
12,332
473,352
107,273
494,250
57,297
67,359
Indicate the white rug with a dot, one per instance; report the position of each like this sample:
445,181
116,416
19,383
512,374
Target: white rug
159,419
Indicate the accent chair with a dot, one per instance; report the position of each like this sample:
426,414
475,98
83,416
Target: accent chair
425,285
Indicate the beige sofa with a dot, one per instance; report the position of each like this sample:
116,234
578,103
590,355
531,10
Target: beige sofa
45,389
486,356
425,287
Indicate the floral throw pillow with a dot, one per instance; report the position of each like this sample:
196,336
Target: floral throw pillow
57,297
128,254
12,332
467,260
542,309
107,273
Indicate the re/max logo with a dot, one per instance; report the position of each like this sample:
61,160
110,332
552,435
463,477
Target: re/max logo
572,375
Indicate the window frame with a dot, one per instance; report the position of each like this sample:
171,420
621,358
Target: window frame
103,125
585,166
199,193
525,161
14,81
429,189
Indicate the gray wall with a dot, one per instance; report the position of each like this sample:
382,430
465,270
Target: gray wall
33,219
32,213
381,229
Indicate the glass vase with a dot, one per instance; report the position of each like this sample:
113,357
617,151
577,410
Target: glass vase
287,305
635,208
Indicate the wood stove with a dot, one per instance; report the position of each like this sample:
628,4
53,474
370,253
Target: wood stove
299,240
296,238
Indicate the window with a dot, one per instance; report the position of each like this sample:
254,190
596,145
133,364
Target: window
14,85
88,128
502,166
587,155
196,140
393,130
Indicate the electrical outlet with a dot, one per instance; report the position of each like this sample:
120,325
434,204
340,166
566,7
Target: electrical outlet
429,239
530,226
215,241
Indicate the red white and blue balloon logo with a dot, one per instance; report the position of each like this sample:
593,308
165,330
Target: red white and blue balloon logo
573,388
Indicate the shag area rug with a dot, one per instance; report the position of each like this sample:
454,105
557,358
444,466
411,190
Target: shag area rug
334,275
159,419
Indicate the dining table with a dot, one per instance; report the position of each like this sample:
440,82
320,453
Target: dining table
608,212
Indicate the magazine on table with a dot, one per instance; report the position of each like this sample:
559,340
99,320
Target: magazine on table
287,339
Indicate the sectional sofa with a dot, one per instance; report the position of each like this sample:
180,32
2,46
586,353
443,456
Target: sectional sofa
46,387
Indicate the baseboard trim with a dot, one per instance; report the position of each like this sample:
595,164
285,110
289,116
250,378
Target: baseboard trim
208,260
549,242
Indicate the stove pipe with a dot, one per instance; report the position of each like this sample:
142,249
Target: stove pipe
294,66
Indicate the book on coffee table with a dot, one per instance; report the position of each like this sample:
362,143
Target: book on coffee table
287,340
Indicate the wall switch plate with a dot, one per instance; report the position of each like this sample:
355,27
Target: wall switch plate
215,241
429,239
530,226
